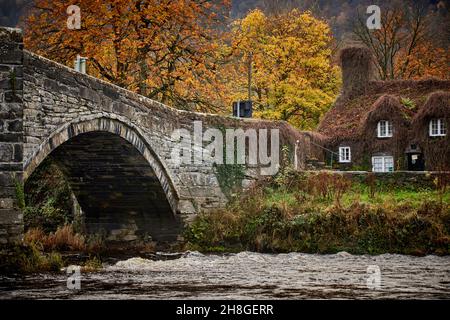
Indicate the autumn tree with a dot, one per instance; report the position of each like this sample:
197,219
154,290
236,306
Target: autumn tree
288,55
167,50
403,48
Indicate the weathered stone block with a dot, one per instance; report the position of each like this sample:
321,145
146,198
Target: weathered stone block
10,53
13,96
18,152
6,152
8,192
6,179
5,68
10,216
6,203
186,207
11,137
15,126
5,83
13,166
11,110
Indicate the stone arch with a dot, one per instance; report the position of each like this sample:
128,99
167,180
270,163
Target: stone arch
109,124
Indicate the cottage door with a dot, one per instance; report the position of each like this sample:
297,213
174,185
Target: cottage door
416,162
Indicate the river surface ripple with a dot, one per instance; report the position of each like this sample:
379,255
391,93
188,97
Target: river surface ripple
247,275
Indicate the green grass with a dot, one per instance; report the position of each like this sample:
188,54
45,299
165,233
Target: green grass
294,213
398,196
360,193
275,196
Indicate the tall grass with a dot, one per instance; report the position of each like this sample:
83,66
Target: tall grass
325,213
63,239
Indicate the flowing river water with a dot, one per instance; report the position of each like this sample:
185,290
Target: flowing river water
247,275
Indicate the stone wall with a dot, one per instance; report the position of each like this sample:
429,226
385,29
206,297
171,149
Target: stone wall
412,179
11,132
60,104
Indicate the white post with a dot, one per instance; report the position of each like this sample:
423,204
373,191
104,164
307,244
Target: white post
77,63
83,65
80,64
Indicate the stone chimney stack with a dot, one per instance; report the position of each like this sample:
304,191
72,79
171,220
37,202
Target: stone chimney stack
357,70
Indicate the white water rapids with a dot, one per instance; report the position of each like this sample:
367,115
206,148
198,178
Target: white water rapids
247,275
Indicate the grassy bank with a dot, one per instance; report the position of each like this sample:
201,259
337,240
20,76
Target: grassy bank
43,251
326,213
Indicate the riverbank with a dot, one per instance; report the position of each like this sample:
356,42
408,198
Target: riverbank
328,213
51,252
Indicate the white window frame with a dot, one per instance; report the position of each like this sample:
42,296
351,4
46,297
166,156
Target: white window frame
386,126
437,128
385,160
345,157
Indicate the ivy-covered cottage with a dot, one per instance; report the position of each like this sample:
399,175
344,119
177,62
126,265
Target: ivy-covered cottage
385,126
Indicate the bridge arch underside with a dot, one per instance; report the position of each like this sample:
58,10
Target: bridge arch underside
118,191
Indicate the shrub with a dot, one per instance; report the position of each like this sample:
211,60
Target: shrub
46,198
92,264
29,258
328,186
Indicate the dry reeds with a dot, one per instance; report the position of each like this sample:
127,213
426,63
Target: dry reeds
63,239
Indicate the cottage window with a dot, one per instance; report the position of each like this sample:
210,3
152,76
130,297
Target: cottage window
344,154
437,128
384,129
382,164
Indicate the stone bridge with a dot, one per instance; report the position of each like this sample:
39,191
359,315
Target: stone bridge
114,147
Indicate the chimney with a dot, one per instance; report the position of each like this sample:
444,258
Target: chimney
357,70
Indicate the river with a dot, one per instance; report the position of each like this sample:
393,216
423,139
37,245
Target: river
247,275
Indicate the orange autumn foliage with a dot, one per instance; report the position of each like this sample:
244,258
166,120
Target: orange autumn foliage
404,48
164,49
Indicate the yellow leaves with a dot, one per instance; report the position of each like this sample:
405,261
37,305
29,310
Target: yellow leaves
292,76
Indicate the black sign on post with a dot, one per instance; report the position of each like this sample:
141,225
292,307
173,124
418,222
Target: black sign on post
242,109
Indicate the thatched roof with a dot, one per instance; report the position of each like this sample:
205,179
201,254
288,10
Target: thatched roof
347,118
436,106
388,107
